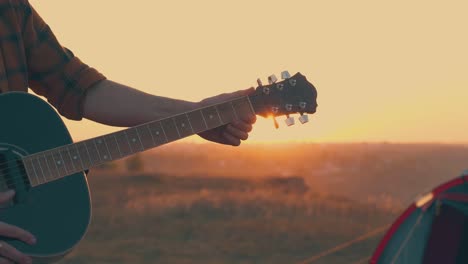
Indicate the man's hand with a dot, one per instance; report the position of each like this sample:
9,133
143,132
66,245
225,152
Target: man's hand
9,254
233,133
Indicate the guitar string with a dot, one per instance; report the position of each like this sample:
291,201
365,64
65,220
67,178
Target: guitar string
78,148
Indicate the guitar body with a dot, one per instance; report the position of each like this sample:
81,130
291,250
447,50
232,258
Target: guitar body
57,213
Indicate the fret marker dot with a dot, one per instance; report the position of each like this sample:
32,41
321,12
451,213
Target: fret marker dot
134,139
99,141
211,116
75,157
183,125
157,133
59,162
105,156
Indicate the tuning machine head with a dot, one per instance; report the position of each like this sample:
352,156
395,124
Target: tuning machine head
272,79
303,119
289,121
259,82
285,75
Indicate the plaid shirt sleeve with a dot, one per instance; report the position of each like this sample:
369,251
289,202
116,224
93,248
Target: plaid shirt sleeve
53,70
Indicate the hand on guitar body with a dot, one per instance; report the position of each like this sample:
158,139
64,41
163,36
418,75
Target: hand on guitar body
9,254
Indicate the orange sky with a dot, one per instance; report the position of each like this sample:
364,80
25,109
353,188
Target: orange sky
385,71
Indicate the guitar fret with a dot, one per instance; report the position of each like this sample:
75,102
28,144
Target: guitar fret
164,132
43,166
51,157
139,137
190,123
93,152
175,124
157,131
89,156
217,112
170,129
152,137
30,170
183,125
95,146
74,156
67,160
132,138
234,110
118,147
126,136
196,121
71,159
40,167
34,167
104,154
107,147
48,167
225,112
112,147
243,107
146,139
250,104
63,161
79,157
211,113
204,120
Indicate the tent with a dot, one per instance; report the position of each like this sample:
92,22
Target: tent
434,229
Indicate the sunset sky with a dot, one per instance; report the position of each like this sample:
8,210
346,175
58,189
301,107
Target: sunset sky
392,71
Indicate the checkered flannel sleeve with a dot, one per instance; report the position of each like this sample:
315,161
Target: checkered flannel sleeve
53,70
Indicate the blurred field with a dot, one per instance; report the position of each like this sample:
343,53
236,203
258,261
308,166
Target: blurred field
188,203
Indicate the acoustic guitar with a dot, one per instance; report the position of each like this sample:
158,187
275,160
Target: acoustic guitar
39,160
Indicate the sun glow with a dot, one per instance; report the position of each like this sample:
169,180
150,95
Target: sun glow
377,78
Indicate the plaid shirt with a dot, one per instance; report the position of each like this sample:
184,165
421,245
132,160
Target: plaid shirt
31,56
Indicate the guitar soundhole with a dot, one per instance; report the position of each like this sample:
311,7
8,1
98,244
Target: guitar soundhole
13,174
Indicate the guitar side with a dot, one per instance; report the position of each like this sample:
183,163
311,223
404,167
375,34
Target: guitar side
57,213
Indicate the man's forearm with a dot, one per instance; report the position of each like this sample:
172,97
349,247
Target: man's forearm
115,104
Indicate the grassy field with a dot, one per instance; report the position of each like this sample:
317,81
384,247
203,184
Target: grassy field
208,214
167,219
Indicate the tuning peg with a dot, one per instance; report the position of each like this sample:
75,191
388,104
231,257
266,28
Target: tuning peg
303,119
272,79
289,121
275,110
259,82
285,75
302,105
292,82
275,123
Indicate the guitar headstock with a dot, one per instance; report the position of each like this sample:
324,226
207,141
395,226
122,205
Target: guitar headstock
294,94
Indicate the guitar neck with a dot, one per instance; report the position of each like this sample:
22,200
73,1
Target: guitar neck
53,164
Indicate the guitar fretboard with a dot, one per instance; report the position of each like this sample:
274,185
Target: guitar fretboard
53,164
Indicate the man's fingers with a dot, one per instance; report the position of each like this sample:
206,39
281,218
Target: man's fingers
236,132
12,253
231,140
249,119
16,232
6,196
243,126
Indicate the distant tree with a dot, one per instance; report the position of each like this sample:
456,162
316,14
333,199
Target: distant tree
134,163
